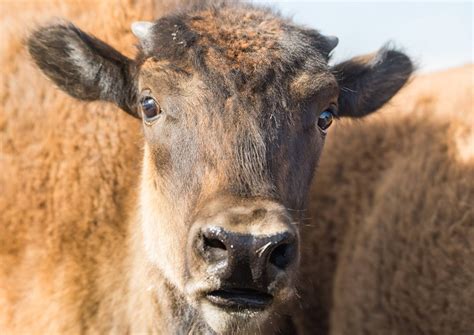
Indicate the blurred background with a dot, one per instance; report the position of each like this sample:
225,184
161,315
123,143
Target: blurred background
437,35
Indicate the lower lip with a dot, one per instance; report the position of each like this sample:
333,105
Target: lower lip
239,299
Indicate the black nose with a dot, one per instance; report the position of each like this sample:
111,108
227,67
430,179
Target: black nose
246,260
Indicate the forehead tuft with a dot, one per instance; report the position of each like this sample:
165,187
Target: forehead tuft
246,37
235,37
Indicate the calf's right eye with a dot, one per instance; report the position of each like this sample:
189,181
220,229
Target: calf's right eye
150,109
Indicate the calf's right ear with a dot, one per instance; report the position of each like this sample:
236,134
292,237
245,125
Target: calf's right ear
83,66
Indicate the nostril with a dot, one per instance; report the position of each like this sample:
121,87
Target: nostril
214,243
282,256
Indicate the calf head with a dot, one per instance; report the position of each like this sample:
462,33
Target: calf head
235,104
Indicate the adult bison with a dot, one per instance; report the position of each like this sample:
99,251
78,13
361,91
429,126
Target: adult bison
203,236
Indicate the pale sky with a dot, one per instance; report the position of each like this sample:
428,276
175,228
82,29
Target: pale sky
436,34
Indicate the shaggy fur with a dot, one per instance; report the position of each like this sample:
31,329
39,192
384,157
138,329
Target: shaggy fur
389,240
69,249
67,184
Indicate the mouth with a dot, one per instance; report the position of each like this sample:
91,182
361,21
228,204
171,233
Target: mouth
240,299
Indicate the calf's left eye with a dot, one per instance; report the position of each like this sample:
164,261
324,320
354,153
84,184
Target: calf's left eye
325,119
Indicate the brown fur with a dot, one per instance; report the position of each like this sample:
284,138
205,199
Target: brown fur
247,49
58,213
66,227
389,243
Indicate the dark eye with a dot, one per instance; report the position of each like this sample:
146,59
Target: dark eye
150,109
325,119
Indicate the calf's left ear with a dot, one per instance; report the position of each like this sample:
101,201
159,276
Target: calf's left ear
84,66
368,82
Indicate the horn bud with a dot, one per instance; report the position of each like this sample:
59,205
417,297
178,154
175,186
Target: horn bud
332,42
142,29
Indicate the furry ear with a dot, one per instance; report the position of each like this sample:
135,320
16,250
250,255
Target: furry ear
83,66
368,82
